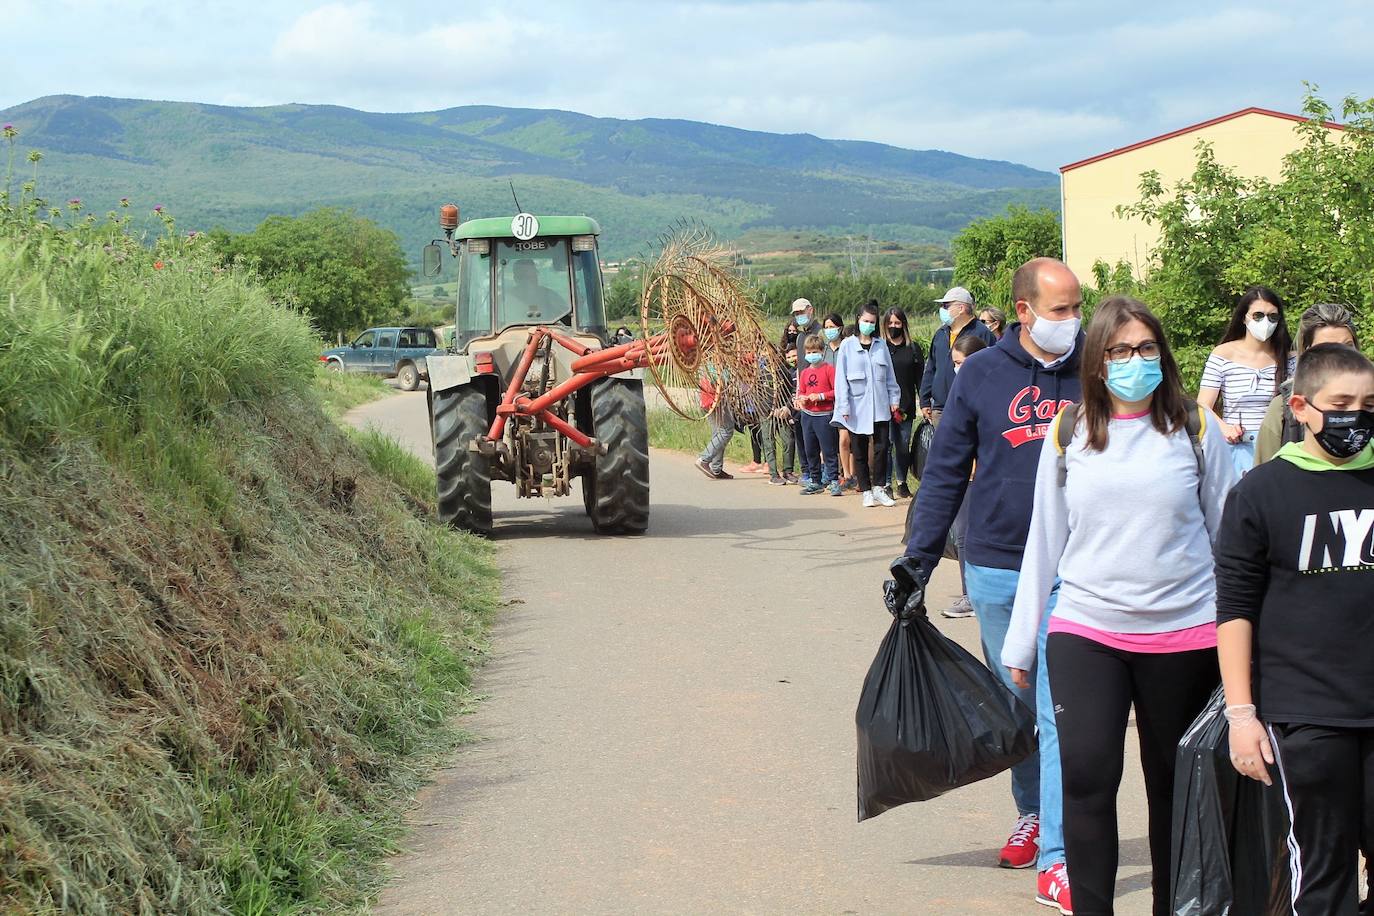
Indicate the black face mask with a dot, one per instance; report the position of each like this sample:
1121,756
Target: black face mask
896,332
1345,433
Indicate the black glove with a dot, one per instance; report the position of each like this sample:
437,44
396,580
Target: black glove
905,592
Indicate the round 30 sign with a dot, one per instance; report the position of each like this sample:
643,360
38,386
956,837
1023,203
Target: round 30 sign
524,226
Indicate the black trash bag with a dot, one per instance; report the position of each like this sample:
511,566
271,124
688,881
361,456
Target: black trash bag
1230,833
931,717
921,438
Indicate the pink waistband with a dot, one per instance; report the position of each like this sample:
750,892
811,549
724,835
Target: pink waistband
1203,636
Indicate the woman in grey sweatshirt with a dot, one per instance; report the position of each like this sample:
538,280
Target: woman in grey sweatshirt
1123,525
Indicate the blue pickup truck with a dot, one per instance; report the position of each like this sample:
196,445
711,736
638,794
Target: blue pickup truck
397,353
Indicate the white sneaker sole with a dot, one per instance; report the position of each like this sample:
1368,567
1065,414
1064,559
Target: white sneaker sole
1045,901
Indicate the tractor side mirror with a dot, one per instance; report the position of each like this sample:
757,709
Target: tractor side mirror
433,260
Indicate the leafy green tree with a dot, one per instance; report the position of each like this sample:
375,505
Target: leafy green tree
342,270
1309,235
622,295
988,251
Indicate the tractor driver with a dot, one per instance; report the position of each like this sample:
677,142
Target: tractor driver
539,302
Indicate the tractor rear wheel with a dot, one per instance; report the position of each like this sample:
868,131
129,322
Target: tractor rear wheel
616,490
456,417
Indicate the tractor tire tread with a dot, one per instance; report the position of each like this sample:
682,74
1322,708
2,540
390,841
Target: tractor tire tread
619,496
457,416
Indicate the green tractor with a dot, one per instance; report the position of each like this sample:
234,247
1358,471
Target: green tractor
530,389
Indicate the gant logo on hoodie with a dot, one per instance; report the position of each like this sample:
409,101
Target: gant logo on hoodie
1027,406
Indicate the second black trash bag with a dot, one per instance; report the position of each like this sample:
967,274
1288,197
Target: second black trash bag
1230,854
931,717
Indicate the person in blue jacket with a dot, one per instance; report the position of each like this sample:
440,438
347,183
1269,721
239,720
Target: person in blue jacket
956,320
997,414
867,400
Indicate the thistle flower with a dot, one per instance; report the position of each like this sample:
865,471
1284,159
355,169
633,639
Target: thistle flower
124,201
157,209
9,131
75,204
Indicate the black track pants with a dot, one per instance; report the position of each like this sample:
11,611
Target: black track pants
1094,687
870,477
1328,776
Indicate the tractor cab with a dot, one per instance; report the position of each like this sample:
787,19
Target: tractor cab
523,272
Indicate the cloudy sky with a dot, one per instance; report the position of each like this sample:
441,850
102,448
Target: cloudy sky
1043,83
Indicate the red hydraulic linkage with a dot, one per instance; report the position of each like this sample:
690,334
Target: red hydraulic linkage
589,366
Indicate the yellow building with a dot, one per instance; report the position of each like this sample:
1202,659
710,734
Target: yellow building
1253,142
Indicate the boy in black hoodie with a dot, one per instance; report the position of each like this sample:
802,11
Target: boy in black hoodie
1295,566
997,413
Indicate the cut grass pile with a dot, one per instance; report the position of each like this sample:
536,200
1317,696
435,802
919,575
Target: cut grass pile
229,637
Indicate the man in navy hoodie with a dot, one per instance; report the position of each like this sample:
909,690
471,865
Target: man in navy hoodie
997,414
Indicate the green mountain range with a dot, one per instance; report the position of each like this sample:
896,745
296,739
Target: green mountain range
214,165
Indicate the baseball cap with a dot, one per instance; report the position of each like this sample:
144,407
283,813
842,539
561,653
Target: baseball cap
958,294
800,305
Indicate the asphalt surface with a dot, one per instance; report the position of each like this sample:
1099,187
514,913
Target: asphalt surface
667,723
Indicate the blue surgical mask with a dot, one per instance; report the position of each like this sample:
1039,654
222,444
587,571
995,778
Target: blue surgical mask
832,334
1134,380
867,328
945,316
802,319
814,358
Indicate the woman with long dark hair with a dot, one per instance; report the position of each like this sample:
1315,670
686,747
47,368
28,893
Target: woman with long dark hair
867,400
1126,510
908,364
1247,368
1327,322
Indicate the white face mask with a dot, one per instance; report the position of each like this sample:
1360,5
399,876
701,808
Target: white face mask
1056,337
1264,328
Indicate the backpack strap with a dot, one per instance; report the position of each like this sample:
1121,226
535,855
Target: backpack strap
1195,423
1061,433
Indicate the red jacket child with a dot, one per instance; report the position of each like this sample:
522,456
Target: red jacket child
816,388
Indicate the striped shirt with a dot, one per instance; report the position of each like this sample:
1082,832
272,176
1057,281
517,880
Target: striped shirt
1245,390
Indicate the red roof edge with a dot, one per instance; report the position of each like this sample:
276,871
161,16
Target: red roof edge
1189,129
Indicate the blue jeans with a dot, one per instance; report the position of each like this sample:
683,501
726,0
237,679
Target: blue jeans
1036,784
822,464
1243,455
722,431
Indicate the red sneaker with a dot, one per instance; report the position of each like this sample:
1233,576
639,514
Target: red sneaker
1052,889
1023,846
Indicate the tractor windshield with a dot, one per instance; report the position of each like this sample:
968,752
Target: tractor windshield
532,283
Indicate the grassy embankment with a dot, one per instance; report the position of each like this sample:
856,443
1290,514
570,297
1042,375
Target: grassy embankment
230,639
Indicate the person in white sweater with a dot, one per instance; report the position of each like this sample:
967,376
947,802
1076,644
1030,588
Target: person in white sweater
1123,525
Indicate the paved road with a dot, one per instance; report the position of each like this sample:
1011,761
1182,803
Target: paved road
668,722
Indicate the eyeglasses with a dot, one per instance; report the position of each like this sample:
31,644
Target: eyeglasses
1271,317
1122,353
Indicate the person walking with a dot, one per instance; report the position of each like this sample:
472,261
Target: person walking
798,325
956,320
908,365
997,414
711,461
1293,627
867,400
1135,471
994,320
1246,370
1325,323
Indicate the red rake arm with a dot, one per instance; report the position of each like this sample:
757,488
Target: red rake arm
589,366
